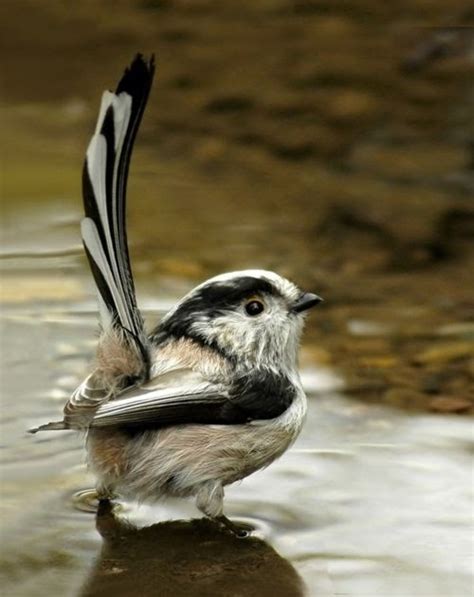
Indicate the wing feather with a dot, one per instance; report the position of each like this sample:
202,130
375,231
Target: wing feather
202,403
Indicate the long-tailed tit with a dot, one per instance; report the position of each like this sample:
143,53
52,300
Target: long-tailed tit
213,393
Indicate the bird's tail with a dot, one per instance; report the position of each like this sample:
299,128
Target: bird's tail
123,351
104,185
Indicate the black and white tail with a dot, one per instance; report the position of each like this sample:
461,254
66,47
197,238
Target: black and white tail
104,185
123,354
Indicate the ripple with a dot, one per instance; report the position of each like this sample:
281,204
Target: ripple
86,500
254,526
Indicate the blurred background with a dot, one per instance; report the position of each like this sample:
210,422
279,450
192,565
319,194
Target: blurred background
330,141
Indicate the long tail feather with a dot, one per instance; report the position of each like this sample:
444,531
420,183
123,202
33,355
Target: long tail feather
123,353
104,191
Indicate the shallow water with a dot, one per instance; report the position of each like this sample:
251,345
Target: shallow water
303,137
369,501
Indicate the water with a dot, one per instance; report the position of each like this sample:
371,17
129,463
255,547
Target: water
369,501
322,159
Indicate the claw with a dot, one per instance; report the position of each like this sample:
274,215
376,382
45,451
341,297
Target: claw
239,532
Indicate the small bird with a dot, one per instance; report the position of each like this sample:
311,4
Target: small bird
213,393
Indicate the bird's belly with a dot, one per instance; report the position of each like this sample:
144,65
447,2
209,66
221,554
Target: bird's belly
177,460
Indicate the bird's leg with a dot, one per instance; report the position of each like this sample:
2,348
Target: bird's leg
104,507
104,492
105,521
210,501
232,527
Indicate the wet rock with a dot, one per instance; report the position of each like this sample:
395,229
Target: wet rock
295,143
379,362
180,268
470,368
445,353
177,35
210,150
433,382
183,81
462,328
455,228
229,104
404,376
450,404
368,346
366,386
156,5
315,354
410,161
405,398
440,43
353,106
333,26
293,150
459,382
360,327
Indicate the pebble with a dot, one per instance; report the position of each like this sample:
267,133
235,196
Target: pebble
409,160
315,354
356,384
445,353
351,105
450,404
379,362
182,268
210,150
360,327
464,328
405,398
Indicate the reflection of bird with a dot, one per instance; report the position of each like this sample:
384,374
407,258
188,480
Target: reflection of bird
185,558
213,394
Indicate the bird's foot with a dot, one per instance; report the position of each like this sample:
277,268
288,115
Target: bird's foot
235,529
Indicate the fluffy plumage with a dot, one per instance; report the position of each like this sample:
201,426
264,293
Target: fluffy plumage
213,394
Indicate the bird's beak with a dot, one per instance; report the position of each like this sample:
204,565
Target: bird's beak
305,301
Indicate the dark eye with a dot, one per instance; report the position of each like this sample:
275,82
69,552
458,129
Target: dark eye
254,308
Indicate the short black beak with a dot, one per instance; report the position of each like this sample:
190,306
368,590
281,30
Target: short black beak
306,301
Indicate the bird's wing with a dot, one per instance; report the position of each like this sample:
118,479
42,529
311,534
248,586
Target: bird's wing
196,402
184,396
104,185
81,406
85,400
180,396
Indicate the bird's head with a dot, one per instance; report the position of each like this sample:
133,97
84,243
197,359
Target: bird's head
253,317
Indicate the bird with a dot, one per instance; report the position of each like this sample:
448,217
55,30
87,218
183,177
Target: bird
210,395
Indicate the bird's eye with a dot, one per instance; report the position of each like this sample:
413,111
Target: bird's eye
254,307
